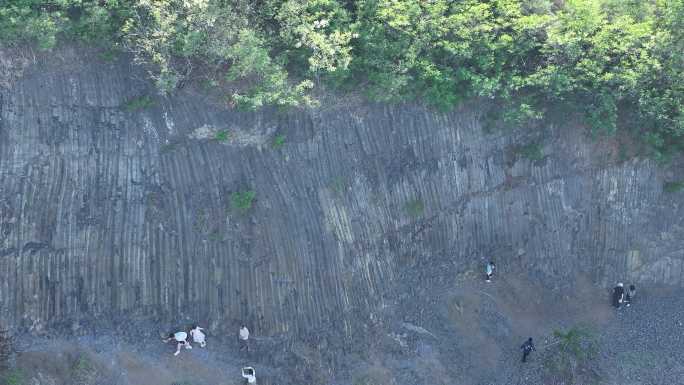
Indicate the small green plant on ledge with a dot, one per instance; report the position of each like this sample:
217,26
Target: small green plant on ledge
242,201
278,141
673,187
338,185
215,236
570,359
13,377
109,55
83,371
82,364
168,147
138,103
222,136
208,84
414,208
532,151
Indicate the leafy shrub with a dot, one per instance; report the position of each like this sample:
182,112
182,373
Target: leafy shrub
215,236
109,55
337,185
167,147
241,201
532,151
414,208
570,360
673,187
14,377
6,348
83,371
222,136
278,141
82,364
139,103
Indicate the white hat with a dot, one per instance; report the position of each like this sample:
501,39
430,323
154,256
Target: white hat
620,284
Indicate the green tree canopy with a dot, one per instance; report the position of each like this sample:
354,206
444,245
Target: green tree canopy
619,64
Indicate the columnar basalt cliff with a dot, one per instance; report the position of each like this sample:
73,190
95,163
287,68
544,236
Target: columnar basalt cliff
112,209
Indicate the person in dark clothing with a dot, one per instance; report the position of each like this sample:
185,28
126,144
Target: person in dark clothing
527,348
618,295
629,297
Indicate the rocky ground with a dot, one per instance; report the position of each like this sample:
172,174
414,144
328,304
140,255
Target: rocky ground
476,326
644,343
641,344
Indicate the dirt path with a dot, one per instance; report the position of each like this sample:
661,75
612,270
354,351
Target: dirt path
109,360
474,340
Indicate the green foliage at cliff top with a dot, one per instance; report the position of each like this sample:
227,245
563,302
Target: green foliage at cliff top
615,64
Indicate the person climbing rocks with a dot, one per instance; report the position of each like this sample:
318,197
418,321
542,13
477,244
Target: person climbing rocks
489,271
629,297
243,338
527,348
181,339
249,374
198,336
618,295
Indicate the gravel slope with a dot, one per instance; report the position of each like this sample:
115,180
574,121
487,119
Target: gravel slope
645,344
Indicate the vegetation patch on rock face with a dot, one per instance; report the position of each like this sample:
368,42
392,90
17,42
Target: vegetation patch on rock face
338,185
6,349
278,141
8,374
533,152
138,103
222,136
242,201
571,358
414,208
13,377
673,187
84,371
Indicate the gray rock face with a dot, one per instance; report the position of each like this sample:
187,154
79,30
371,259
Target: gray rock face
108,211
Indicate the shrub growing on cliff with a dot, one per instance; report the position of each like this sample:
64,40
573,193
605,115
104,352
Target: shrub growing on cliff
241,201
222,136
84,372
138,103
13,377
278,141
6,349
673,187
570,360
338,185
414,208
532,151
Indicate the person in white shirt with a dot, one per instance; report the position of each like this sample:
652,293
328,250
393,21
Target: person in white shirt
618,295
489,271
181,339
243,338
198,336
249,374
